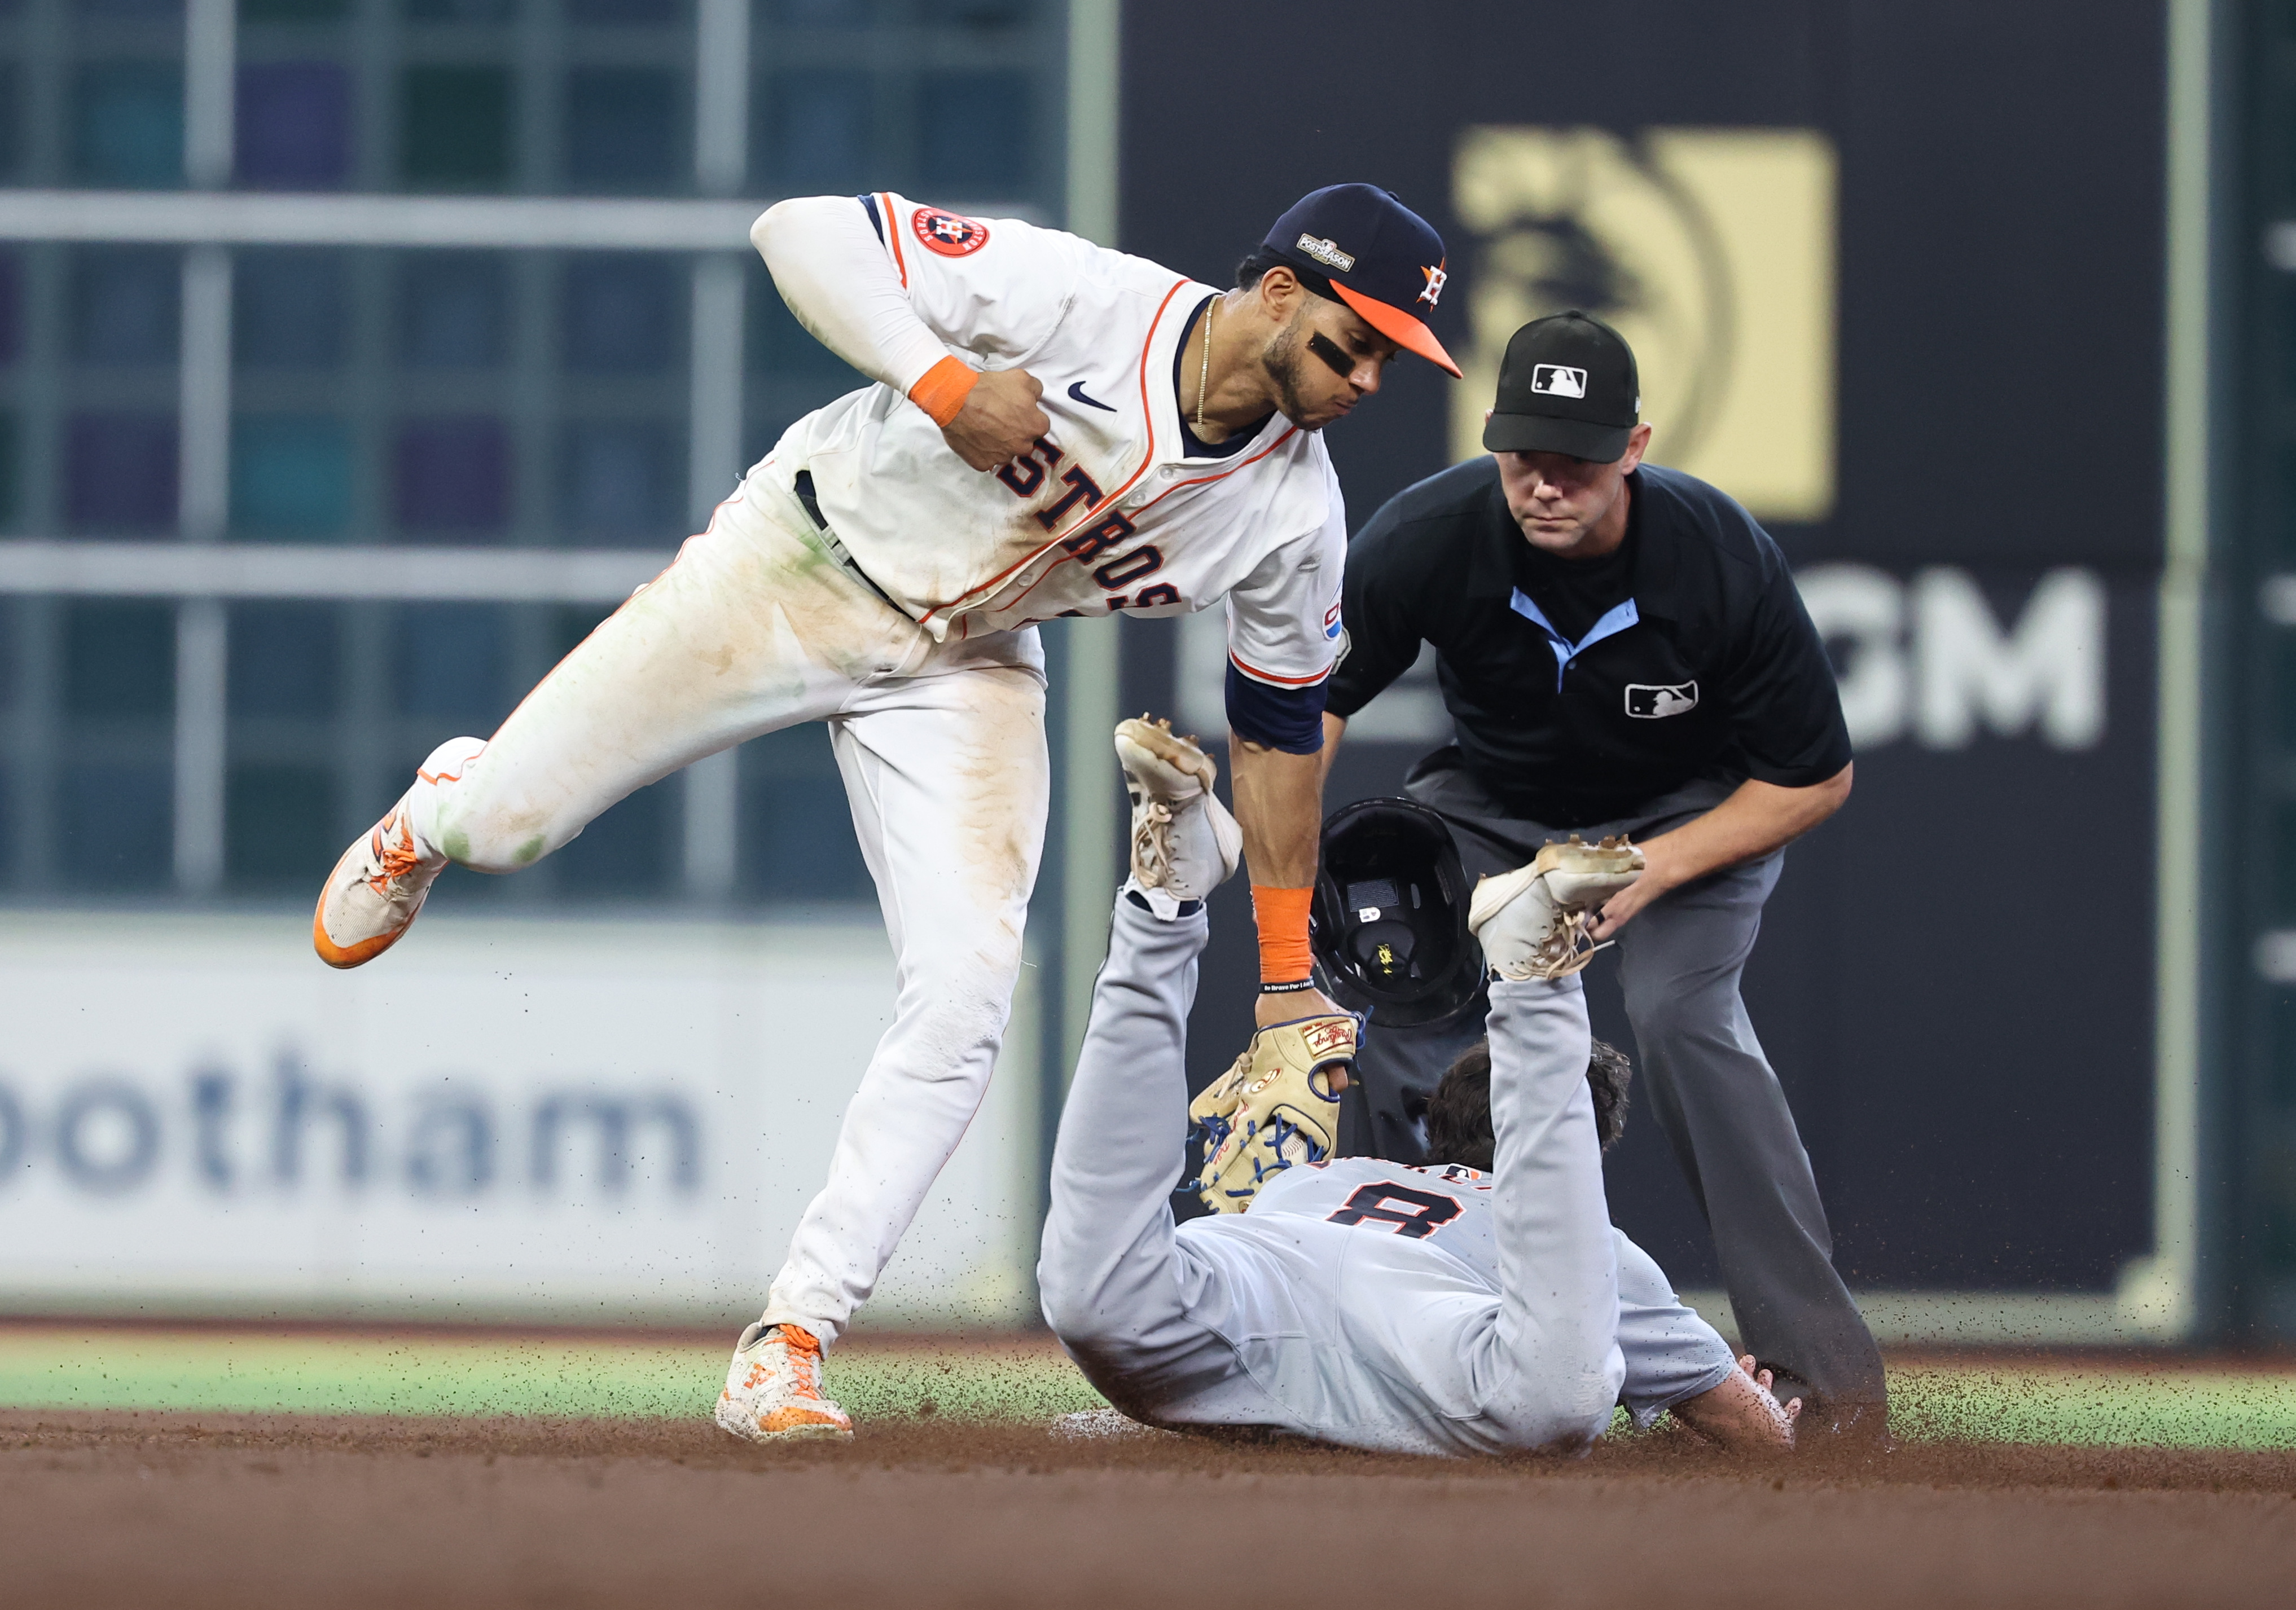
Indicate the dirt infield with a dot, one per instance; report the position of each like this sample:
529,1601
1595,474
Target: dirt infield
121,1508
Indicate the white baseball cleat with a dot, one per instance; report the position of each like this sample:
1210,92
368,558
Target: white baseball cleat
773,1389
372,895
1185,844
1532,922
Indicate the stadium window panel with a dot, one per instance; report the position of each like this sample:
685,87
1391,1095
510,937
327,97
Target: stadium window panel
622,128
452,476
822,13
115,826
620,481
797,829
2283,909
622,10
119,472
12,308
128,125
453,311
279,824
120,659
975,13
624,854
289,476
289,309
462,11
450,663
2283,1048
293,11
286,660
819,131
125,305
455,125
11,467
621,314
2286,526
975,134
294,126
11,121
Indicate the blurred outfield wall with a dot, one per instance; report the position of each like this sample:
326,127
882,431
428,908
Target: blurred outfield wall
1897,279
355,357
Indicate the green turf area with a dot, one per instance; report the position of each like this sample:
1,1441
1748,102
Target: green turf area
364,1373
2096,1403
41,1366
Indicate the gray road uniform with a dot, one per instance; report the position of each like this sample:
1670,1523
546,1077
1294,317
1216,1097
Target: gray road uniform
1432,1310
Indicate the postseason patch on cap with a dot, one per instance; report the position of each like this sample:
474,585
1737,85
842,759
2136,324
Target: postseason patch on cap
1326,253
1559,379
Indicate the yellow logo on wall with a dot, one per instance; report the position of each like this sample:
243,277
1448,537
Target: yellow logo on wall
1711,250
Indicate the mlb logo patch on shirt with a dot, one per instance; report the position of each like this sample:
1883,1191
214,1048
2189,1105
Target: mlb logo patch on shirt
1648,701
1558,380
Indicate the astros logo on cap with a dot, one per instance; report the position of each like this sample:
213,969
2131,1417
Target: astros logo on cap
950,234
1434,291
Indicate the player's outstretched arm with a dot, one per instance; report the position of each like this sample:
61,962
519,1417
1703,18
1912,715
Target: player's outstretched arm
831,269
1549,1371
1741,1414
828,265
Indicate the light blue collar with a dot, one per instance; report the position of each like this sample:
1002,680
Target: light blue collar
1615,622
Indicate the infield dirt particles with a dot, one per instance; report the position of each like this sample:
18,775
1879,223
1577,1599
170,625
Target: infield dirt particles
123,1507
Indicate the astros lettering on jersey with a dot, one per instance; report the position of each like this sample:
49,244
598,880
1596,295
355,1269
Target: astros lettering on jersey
1107,513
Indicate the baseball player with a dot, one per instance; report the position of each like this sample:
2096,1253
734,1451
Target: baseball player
1466,1306
1052,429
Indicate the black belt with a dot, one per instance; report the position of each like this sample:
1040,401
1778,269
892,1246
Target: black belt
802,485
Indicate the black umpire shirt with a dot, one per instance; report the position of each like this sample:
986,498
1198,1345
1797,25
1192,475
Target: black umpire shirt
1583,691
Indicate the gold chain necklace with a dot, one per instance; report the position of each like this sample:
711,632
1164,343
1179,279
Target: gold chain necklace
1204,371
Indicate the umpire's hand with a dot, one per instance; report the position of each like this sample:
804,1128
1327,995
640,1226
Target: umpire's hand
1000,420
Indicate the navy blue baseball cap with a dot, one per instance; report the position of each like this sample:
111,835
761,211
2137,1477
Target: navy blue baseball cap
1382,258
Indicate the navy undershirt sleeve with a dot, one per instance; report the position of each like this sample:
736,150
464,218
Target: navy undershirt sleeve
1290,719
875,223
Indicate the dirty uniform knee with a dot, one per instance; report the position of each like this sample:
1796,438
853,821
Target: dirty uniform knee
473,836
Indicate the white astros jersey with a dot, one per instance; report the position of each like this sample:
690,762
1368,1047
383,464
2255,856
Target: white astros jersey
1108,513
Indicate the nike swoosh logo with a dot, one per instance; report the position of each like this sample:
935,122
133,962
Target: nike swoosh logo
1077,391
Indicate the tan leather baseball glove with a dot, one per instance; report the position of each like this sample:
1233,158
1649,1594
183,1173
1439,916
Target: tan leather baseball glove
1274,1108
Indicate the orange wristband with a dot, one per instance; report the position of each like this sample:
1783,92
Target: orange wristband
942,390
1282,914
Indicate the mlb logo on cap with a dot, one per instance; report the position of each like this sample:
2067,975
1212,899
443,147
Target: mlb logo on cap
1558,380
1566,385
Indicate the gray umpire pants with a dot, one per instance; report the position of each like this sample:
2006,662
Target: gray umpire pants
1700,1068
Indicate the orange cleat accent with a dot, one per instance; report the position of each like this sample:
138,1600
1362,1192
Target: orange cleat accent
773,1389
374,893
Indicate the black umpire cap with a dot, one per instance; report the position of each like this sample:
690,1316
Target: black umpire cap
1567,385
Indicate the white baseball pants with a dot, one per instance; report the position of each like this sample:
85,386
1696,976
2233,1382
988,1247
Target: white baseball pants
754,628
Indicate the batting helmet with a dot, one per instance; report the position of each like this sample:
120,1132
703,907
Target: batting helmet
1390,918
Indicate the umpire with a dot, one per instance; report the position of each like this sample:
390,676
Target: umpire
1622,650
